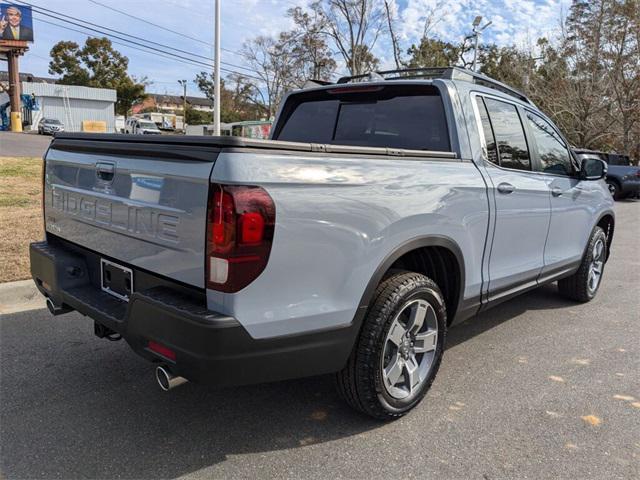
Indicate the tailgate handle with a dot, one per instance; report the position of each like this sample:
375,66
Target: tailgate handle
105,171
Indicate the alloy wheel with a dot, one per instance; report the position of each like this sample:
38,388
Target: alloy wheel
596,266
409,349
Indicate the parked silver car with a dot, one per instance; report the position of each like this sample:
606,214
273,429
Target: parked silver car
49,126
384,209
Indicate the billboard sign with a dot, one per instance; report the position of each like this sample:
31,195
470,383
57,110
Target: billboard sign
16,23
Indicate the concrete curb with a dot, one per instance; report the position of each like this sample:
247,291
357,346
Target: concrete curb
19,297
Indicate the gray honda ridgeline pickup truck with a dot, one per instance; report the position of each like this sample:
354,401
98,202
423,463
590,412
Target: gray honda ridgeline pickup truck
384,209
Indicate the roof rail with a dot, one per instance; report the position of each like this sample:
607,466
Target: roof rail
449,73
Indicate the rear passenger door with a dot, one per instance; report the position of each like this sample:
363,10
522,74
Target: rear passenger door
572,200
521,196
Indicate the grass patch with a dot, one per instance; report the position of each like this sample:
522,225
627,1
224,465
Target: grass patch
14,201
20,214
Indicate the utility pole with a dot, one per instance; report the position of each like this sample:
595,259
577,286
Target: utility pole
14,91
216,72
184,105
476,35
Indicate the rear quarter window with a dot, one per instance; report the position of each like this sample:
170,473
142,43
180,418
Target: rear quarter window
395,117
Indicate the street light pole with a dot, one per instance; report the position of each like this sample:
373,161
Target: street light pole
476,34
475,50
184,105
216,73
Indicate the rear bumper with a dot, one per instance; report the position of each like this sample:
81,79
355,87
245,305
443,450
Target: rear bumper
210,347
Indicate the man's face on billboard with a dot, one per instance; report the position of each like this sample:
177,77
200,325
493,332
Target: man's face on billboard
14,16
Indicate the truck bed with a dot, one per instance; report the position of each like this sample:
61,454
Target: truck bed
142,200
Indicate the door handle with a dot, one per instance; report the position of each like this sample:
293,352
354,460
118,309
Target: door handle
556,192
506,188
105,171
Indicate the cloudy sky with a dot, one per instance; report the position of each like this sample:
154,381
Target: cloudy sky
518,22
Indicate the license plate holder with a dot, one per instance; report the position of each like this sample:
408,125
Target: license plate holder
116,280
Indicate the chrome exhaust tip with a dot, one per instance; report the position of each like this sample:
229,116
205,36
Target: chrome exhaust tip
168,380
57,309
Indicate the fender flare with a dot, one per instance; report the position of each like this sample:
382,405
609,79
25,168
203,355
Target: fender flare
606,213
399,251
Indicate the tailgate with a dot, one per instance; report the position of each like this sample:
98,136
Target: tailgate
138,203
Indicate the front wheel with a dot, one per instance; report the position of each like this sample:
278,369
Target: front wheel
583,285
399,350
614,189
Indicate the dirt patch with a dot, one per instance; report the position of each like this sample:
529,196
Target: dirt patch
20,214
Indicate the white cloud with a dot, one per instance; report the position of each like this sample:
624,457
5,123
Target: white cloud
515,22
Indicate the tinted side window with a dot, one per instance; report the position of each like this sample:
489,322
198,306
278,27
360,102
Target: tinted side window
490,139
554,156
512,144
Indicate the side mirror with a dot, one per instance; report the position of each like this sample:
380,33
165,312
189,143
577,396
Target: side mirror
593,169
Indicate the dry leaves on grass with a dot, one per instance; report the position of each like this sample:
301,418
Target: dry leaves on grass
20,214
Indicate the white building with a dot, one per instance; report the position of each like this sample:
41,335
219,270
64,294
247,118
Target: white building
74,106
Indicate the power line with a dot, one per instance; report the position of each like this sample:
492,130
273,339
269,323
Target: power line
159,53
122,33
235,52
170,56
150,23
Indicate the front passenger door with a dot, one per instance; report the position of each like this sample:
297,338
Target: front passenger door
571,198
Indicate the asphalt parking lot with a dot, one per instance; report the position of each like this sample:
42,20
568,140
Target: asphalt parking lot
538,387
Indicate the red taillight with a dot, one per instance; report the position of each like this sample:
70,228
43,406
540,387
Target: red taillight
638,173
251,228
240,225
162,350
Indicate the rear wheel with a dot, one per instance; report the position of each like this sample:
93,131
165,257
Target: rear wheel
583,285
399,349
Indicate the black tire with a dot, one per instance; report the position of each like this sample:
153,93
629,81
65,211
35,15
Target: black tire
614,189
360,383
576,287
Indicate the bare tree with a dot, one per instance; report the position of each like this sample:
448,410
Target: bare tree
314,58
272,60
391,16
621,58
354,26
573,87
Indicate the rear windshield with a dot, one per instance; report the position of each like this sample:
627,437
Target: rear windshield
410,117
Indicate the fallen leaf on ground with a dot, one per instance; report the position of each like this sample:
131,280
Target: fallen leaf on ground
556,378
626,398
581,361
592,420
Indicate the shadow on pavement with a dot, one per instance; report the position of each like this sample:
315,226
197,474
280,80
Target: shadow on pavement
73,406
542,298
